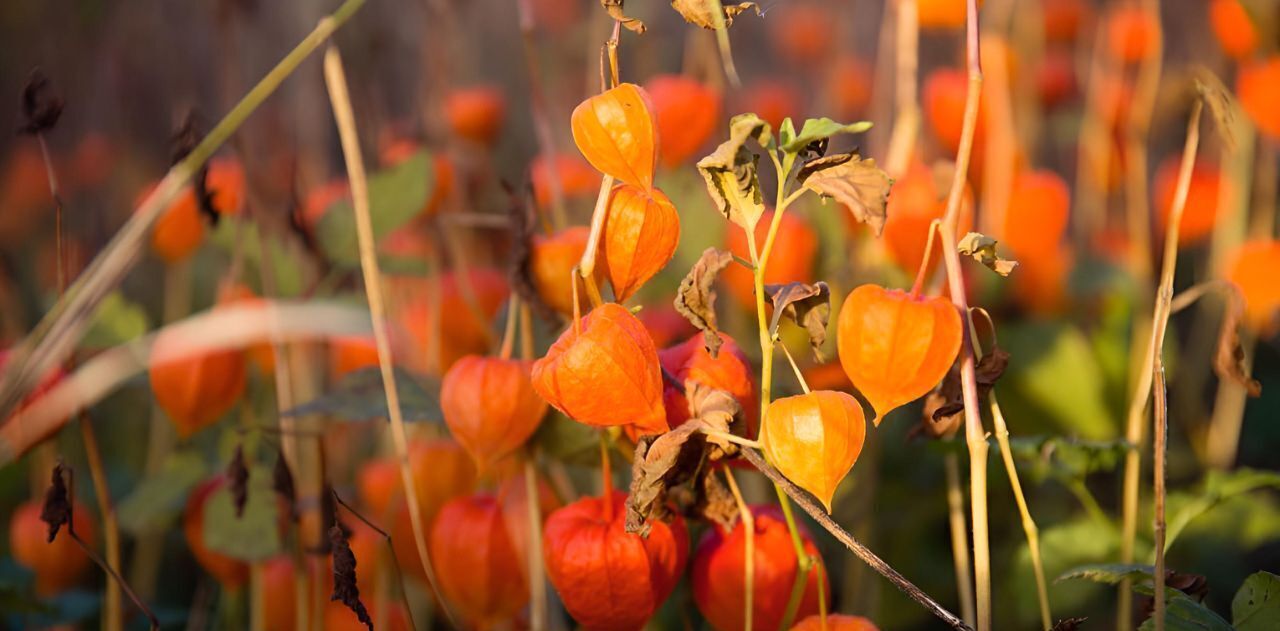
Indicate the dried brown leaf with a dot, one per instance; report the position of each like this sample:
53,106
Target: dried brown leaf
1229,361
282,484
56,510
983,250
41,106
345,589
807,305
730,171
238,475
699,12
614,9
696,299
1069,624
857,183
1221,105
943,406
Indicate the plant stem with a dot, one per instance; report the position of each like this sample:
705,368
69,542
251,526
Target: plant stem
335,79
509,334
819,515
1028,524
537,584
722,40
749,552
1160,434
606,477
1155,344
959,537
804,385
804,562
906,126
538,110
57,333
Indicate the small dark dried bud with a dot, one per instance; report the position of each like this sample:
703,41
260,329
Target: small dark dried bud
41,106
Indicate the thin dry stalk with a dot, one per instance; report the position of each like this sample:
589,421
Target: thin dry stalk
959,537
537,584
906,127
722,40
1028,524
749,553
391,551
1161,435
538,110
335,79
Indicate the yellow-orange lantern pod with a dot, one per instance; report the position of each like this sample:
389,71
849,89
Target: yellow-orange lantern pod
195,392
490,406
551,262
616,133
641,230
604,372
814,439
896,346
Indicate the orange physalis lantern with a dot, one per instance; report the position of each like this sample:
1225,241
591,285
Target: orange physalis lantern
728,371
225,183
575,177
641,230
195,391
945,91
179,230
915,201
1133,33
836,622
1233,27
942,14
814,439
1037,218
476,564
805,32
57,564
771,100
687,112
1253,270
476,113
1258,86
604,372
896,346
490,406
587,548
551,265
616,132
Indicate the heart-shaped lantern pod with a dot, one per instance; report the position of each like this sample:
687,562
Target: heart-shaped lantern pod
835,622
814,439
194,390
551,262
641,231
729,370
604,372
718,572
608,578
687,112
490,406
616,133
476,562
896,346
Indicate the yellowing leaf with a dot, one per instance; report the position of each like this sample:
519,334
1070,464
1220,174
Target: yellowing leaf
983,250
699,12
858,184
730,171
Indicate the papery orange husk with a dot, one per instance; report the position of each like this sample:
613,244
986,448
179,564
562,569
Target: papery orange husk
351,353
607,374
1036,221
476,564
896,347
225,183
490,406
1233,27
179,229
195,392
729,371
687,112
57,564
551,264
942,14
575,176
835,622
262,354
814,439
1132,33
441,471
772,100
462,333
513,496
641,231
1253,269
804,33
476,112
616,133
1258,87
718,572
609,579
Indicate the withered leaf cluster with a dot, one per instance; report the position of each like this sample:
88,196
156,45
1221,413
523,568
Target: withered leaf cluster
696,299
807,305
238,475
731,174
344,575
983,250
1229,361
520,214
56,510
853,181
41,106
943,406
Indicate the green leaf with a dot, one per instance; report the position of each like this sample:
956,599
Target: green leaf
158,499
567,440
360,397
232,231
1055,375
1256,606
1218,487
1066,458
1063,545
118,321
254,535
730,171
1107,573
820,129
1182,613
786,132
396,195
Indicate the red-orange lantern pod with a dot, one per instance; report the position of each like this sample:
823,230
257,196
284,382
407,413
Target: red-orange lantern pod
195,391
551,264
1253,269
319,199
179,229
24,193
229,571
225,183
1133,34
835,622
687,112
576,178
849,87
1040,283
490,406
441,471
1036,221
814,439
586,547
262,354
945,91
616,133
1233,27
641,231
1201,212
398,150
57,564
1258,86
804,33
729,371
718,569
794,250
612,353
476,113
942,14
915,201
665,325
462,331
896,346
476,563
1056,78
771,100
1063,18
349,353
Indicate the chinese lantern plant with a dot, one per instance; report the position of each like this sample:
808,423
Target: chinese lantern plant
551,262
476,561
476,113
490,406
641,231
617,134
687,113
814,439
58,564
194,390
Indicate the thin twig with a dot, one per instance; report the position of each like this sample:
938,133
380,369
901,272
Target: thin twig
537,582
959,536
391,549
335,79
906,125
1028,524
1161,435
722,40
749,551
811,506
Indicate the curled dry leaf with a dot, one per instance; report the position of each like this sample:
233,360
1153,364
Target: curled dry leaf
730,171
282,484
344,575
942,407
1221,105
614,9
696,300
699,12
983,250
857,183
807,305
238,475
1229,361
1069,624
56,510
679,457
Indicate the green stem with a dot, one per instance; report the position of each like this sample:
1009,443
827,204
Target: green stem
804,562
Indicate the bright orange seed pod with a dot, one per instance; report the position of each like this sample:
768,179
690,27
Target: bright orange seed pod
225,184
476,563
605,374
688,113
1253,269
1233,28
835,622
179,230
896,346
1037,218
57,564
551,265
195,392
1133,34
490,406
1258,86
641,231
1201,212
476,112
814,439
616,132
